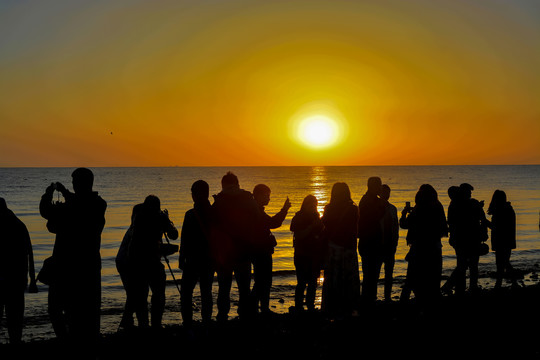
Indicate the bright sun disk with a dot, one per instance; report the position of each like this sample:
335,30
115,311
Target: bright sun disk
318,131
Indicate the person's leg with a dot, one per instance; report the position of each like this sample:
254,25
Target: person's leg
499,262
55,309
14,305
189,279
255,293
301,280
127,315
242,274
157,285
371,267
138,295
224,278
389,262
266,284
473,269
460,273
311,292
205,283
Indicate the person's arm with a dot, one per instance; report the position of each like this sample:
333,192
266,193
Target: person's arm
46,204
170,229
184,239
443,222
274,222
404,220
395,226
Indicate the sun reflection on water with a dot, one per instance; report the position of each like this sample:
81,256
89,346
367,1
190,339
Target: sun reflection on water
319,186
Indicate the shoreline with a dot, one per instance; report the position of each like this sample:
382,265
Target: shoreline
491,322
37,326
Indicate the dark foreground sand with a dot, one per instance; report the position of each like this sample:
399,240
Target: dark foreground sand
499,323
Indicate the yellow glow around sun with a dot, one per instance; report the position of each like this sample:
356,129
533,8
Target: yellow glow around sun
318,131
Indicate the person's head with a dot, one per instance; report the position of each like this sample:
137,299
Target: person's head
340,193
497,200
200,191
385,192
136,209
3,205
83,180
374,185
229,180
466,190
152,203
309,204
261,194
453,192
426,195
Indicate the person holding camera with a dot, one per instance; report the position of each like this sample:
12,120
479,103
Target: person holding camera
146,272
264,247
75,286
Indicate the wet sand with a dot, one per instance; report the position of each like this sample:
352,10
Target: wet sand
503,322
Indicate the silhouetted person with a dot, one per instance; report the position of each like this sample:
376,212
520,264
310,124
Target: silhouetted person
16,263
234,213
341,287
390,224
307,228
122,266
75,291
264,244
146,271
195,260
467,223
503,234
371,210
426,224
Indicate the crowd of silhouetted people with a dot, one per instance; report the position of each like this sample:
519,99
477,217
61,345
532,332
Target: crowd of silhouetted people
231,237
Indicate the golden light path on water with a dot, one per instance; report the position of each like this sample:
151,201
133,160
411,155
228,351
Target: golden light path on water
320,187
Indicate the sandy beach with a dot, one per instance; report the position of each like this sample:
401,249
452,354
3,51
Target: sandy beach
500,322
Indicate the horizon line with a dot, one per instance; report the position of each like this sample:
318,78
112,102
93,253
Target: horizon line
245,166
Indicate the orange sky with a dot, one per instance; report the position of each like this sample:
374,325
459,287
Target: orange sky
208,83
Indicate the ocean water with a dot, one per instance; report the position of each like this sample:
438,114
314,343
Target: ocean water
122,188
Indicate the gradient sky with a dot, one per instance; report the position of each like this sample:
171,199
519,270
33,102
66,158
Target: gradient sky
189,83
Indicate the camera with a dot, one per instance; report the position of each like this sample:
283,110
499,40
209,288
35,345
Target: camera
164,215
408,207
56,186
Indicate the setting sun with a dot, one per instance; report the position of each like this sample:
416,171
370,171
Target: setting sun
318,131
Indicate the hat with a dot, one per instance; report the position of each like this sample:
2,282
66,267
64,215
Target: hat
466,186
